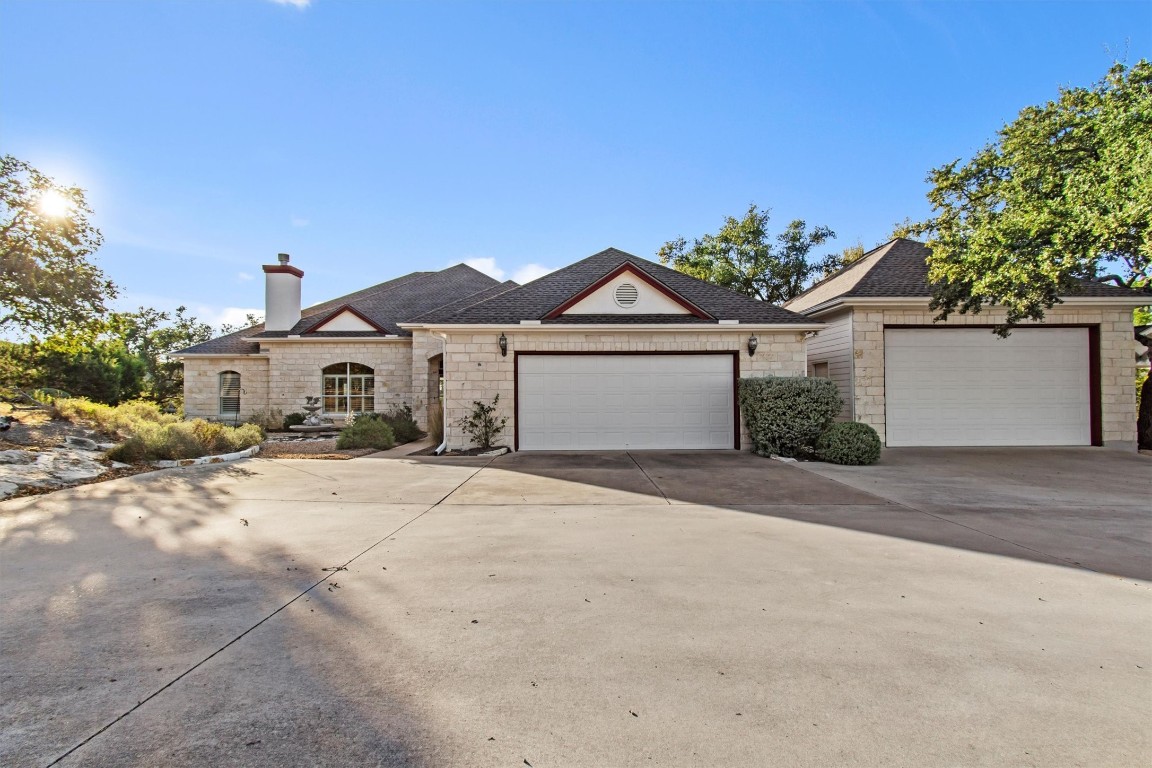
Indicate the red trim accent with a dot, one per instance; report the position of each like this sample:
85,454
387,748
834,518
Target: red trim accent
736,423
282,269
341,310
1095,403
735,382
644,278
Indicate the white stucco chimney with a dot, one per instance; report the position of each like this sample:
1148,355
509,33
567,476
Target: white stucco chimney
281,295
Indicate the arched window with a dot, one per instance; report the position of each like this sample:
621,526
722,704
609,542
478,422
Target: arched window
349,388
229,393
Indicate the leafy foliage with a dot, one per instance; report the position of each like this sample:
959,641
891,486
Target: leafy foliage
849,442
743,257
482,423
47,283
366,433
1063,194
152,336
399,419
293,419
834,262
786,415
185,440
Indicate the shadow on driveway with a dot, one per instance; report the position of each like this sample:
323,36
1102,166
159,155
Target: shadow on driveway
1074,507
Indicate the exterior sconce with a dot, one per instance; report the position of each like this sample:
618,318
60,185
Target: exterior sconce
753,342
503,341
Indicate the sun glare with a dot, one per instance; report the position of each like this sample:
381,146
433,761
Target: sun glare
53,204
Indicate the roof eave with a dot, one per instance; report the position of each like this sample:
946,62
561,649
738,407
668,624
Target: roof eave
536,327
847,302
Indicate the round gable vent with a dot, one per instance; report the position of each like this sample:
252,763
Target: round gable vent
627,295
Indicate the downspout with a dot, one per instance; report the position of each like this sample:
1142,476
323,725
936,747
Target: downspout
444,400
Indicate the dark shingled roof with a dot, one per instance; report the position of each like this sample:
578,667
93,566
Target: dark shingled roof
385,304
902,271
536,299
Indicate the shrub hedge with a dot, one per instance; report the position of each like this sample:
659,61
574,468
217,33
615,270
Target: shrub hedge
185,440
786,415
849,442
366,433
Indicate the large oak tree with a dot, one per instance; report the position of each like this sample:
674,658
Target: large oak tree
1063,194
744,257
47,282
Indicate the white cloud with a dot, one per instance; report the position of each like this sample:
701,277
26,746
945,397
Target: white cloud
243,277
218,316
301,4
299,221
487,265
525,273
530,272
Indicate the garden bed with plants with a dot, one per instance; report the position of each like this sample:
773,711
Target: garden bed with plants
792,417
362,434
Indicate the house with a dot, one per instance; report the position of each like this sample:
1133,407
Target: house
918,382
611,352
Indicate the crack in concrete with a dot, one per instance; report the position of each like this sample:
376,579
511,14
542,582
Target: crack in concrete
343,566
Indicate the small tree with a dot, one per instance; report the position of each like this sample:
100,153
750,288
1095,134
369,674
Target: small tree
482,423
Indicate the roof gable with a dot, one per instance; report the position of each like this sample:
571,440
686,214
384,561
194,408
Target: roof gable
898,269
627,291
346,318
539,299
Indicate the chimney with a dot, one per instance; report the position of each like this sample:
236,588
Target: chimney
281,295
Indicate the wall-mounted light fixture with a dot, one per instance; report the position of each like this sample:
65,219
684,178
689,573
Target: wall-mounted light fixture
753,342
503,341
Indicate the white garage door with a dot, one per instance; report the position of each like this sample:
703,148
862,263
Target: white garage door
613,402
969,387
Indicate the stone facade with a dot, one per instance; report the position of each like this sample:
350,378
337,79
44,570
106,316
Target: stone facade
426,356
475,370
1117,363
285,372
202,385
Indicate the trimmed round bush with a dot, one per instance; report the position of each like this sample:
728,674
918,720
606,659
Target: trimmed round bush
786,415
367,433
849,442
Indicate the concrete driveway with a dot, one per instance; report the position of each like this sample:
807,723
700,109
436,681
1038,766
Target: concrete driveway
585,609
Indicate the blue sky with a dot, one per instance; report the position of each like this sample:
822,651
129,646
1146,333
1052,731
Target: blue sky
373,139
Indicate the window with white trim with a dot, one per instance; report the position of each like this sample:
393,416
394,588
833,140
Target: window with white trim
349,388
229,393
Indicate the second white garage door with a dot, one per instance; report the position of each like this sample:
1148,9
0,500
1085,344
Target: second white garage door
619,402
967,387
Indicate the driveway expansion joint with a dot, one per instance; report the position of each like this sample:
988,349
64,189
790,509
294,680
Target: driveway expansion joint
327,575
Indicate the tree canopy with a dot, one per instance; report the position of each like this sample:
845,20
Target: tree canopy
47,282
1063,194
742,256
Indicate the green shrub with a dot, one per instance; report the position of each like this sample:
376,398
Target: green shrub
403,424
786,415
123,420
185,440
849,442
293,419
482,423
367,433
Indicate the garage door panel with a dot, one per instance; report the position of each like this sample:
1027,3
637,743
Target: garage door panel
604,402
968,387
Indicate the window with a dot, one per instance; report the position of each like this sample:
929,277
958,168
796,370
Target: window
349,388
229,393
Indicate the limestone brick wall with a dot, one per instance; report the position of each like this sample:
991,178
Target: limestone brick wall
202,385
1117,363
474,369
425,379
294,370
